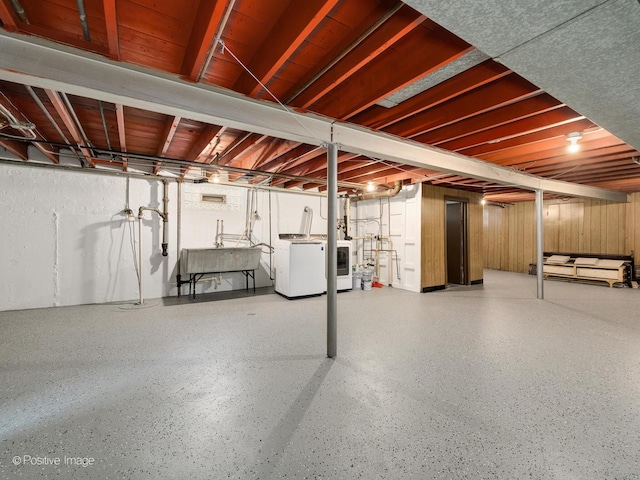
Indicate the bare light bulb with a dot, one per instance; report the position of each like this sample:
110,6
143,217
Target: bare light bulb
370,186
573,138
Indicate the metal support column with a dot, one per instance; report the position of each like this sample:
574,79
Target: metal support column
332,249
539,242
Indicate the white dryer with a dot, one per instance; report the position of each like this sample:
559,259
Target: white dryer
344,261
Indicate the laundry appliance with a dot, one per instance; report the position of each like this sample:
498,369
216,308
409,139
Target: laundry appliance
300,267
344,265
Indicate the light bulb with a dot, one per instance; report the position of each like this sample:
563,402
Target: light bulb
370,186
573,138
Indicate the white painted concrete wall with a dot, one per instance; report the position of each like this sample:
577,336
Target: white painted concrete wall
65,241
277,212
398,219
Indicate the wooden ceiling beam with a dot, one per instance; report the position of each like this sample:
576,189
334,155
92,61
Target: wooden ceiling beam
169,132
202,150
69,122
112,81
237,149
293,27
610,163
122,136
504,92
8,16
528,138
485,73
300,154
61,36
267,151
598,139
490,120
111,24
544,121
19,149
14,145
203,33
395,28
391,75
561,156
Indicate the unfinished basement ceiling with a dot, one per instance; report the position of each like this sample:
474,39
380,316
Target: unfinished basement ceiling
372,63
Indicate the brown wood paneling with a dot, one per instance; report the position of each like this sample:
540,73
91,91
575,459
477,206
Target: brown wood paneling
433,272
575,225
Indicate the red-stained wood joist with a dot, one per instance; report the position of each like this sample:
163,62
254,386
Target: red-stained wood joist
598,139
392,71
69,123
15,104
19,149
589,166
8,16
319,164
167,136
527,138
122,134
622,172
544,121
297,155
58,21
503,92
347,26
269,150
380,117
111,24
560,154
293,27
242,144
395,28
491,119
629,185
203,32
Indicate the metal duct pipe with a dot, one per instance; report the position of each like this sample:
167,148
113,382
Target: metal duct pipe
392,192
164,215
83,20
165,219
347,217
24,127
347,50
20,11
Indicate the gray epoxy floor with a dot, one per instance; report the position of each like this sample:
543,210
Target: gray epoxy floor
470,383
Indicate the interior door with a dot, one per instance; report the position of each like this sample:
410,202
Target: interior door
456,242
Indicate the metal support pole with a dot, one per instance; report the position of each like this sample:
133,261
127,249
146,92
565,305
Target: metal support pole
539,241
332,249
140,259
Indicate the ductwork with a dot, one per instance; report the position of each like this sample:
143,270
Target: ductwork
83,20
19,11
392,192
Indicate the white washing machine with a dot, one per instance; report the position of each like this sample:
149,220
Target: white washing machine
300,267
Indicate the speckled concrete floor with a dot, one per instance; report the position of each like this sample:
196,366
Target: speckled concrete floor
475,383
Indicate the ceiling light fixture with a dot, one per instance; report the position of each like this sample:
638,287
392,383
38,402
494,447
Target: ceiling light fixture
370,186
215,177
573,138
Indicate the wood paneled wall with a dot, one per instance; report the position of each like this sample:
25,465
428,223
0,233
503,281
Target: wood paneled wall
434,268
576,225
